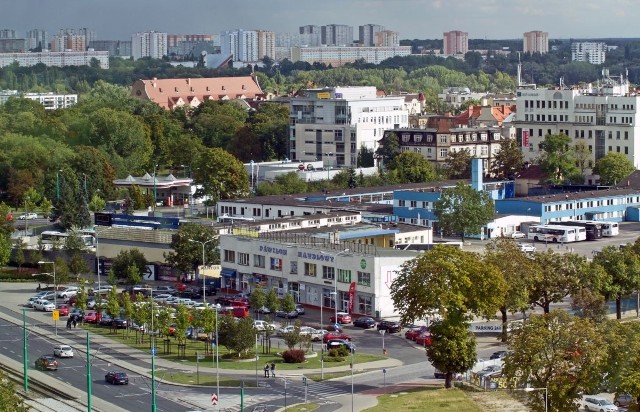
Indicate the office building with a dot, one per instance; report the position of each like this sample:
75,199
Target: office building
590,52
387,38
605,117
9,45
367,34
535,42
456,42
333,124
149,44
337,35
58,59
338,56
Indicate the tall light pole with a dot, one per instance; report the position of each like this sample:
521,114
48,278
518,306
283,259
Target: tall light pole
217,359
352,365
26,217
155,195
153,362
335,280
55,288
546,396
25,352
89,406
204,286
322,345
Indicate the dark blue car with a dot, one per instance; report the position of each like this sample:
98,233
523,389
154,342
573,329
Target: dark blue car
364,322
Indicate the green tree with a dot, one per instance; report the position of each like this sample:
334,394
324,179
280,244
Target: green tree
622,267
243,336
557,277
209,322
583,156
557,351
5,249
459,164
627,369
410,167
508,161
133,274
613,168
77,265
273,303
287,303
389,147
463,210
453,347
365,157
506,256
10,400
292,338
221,175
186,246
126,259
182,324
215,122
258,299
127,309
97,203
558,159
113,304
19,255
82,297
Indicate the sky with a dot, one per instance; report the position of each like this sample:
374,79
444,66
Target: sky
413,19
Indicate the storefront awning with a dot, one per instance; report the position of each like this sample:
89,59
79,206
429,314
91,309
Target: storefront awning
228,273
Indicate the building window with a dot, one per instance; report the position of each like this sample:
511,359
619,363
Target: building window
276,264
230,256
443,152
294,268
344,276
364,278
243,259
443,139
309,269
406,137
328,272
401,203
258,261
364,305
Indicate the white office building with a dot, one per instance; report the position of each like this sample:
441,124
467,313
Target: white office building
332,124
149,44
604,117
590,52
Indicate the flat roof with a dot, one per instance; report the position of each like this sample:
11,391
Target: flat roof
590,194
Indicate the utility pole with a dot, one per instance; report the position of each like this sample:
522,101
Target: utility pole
25,353
89,408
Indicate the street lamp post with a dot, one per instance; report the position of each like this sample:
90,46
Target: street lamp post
55,289
155,194
352,365
321,329
546,396
204,286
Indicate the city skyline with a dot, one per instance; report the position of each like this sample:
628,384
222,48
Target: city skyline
413,19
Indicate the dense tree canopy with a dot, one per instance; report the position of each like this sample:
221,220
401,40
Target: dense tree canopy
463,210
613,168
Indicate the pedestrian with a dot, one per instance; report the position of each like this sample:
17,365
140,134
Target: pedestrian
273,369
75,321
69,323
266,370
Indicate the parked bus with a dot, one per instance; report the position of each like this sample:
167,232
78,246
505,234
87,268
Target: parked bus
594,229
52,237
557,234
225,218
608,228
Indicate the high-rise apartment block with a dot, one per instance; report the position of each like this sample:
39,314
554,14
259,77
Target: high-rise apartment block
69,40
310,36
591,52
387,38
149,44
337,35
248,46
37,38
368,34
456,42
535,42
7,34
58,59
116,48
266,44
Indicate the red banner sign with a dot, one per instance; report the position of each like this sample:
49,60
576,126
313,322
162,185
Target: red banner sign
525,138
352,296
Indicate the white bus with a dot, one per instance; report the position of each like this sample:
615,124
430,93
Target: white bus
225,218
557,234
52,237
608,228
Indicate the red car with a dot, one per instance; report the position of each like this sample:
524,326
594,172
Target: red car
342,318
240,302
424,339
91,316
335,335
412,334
63,309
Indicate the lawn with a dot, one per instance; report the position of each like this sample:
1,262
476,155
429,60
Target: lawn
202,379
303,407
194,347
430,399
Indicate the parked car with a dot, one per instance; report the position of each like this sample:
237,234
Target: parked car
491,371
102,290
31,300
315,334
164,289
28,216
364,322
264,310
44,305
437,374
63,309
423,339
116,378
63,351
119,323
413,333
527,247
336,343
517,235
624,399
335,335
262,325
47,362
390,326
300,309
162,297
68,292
105,320
342,317
287,315
597,403
91,316
48,296
501,354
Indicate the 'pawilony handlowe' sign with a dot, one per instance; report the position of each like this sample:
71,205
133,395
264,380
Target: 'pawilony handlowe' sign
212,271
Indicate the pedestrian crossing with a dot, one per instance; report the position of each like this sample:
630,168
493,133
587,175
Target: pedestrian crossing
315,390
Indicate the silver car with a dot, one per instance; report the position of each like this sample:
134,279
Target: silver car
63,351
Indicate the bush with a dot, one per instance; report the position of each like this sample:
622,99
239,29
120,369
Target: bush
293,356
334,356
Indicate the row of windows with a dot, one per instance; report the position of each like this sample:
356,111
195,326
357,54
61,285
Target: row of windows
591,204
547,104
414,203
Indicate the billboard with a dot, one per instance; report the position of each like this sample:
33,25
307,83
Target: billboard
212,271
525,138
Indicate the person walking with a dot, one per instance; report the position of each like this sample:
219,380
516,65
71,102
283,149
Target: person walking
69,323
273,369
266,370
75,321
